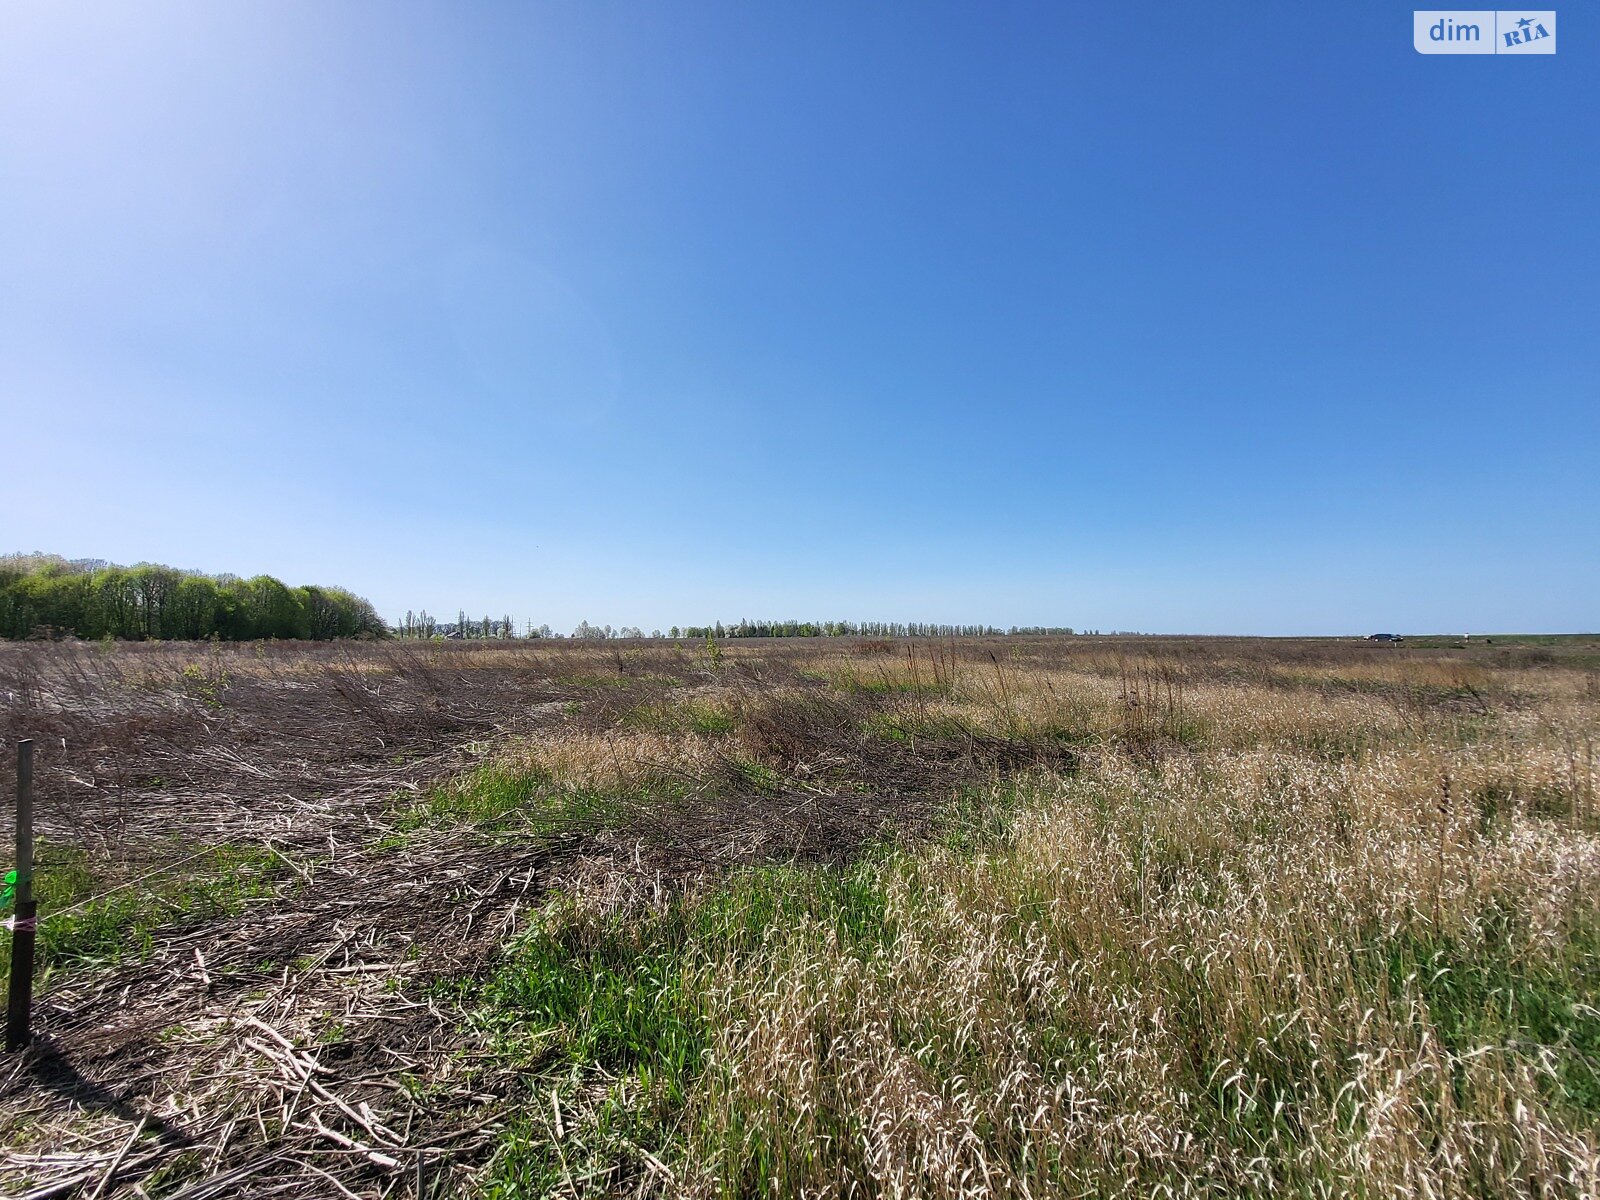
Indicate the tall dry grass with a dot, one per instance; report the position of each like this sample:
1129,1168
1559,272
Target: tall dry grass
1239,974
1326,935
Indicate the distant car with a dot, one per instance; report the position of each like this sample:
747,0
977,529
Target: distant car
1384,637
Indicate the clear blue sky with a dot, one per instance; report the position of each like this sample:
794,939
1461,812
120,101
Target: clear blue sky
1174,317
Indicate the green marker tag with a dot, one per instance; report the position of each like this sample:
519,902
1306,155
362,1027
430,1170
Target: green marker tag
10,889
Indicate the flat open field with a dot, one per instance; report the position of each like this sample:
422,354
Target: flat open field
833,917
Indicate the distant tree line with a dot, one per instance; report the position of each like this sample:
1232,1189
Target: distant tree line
423,625
855,629
586,630
44,595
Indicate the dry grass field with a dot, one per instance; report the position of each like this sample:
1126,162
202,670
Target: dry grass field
1010,917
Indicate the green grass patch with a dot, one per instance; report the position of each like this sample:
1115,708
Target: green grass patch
607,1018
675,719
979,819
754,775
82,921
912,726
908,726
852,683
1492,992
606,1025
1500,801
528,801
589,680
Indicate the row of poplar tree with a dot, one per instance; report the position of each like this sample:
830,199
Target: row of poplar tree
43,595
421,625
856,629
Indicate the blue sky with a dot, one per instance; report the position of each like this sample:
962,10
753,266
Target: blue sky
1167,317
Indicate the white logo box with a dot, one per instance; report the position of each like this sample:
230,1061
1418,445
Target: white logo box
1484,31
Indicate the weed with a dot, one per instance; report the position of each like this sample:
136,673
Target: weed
89,916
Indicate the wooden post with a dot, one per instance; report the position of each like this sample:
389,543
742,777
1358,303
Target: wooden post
20,997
